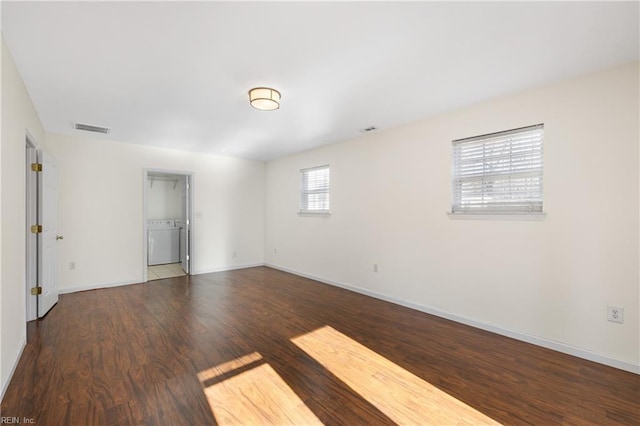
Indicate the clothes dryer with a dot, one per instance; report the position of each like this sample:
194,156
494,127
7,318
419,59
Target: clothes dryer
163,242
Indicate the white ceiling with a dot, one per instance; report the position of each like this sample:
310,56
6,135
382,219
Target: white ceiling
176,74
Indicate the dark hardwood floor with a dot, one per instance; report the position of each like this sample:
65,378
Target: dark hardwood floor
237,346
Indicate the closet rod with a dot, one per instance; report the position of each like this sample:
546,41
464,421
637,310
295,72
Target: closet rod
164,178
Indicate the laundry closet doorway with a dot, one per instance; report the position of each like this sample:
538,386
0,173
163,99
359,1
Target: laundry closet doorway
167,224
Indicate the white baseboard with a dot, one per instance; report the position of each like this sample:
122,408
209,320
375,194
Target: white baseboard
140,281
97,286
539,341
232,268
14,365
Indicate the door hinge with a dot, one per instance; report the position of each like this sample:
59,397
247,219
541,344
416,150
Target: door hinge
36,291
36,229
36,167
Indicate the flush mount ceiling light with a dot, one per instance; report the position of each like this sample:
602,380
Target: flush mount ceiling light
264,98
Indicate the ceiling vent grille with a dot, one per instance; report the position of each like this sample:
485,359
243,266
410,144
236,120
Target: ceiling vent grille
90,128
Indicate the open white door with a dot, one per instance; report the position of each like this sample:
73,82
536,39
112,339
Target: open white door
48,238
31,241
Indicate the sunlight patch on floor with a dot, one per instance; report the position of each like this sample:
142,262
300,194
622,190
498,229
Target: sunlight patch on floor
228,367
402,396
256,395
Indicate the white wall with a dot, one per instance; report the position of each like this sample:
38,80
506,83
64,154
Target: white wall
101,209
18,117
545,281
164,198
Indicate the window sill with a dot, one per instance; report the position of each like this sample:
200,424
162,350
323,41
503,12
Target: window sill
315,214
498,216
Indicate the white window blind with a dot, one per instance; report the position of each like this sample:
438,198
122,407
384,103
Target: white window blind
314,190
499,173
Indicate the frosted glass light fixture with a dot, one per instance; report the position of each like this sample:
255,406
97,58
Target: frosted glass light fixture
264,98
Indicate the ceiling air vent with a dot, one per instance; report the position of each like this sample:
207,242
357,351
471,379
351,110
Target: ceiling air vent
369,129
90,128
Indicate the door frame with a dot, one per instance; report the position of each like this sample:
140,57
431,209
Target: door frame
145,180
31,218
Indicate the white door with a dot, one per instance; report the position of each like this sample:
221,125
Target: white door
31,238
185,246
48,238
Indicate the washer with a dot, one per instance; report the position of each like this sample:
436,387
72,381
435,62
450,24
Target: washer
163,242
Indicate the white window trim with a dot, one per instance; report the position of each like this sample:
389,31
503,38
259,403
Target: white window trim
495,213
498,216
323,213
311,213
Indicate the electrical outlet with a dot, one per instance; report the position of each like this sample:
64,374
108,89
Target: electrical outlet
275,251
235,254
375,267
72,265
615,314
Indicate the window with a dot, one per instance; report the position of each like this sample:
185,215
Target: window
314,190
499,173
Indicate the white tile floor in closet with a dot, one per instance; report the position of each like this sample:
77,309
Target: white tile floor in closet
169,270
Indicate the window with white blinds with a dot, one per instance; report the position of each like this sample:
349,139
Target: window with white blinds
314,190
499,173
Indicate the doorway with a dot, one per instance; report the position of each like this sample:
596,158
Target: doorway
167,224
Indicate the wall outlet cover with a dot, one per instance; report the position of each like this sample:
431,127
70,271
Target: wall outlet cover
615,314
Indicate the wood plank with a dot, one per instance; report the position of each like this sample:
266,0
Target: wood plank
256,396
